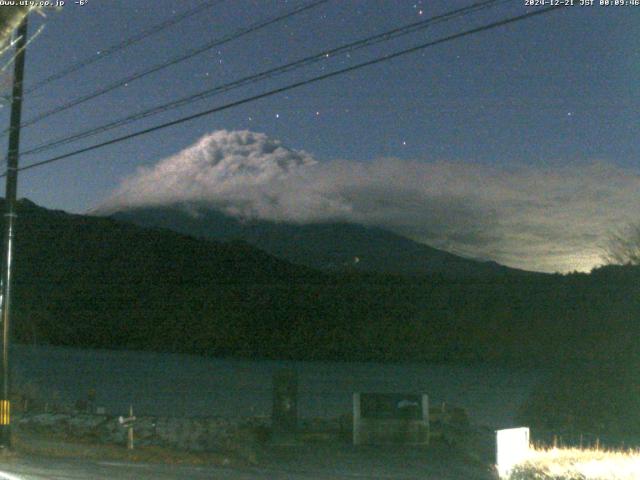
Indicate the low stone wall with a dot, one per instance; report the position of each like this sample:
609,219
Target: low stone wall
193,434
204,434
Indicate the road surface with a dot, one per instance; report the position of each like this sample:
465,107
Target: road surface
308,464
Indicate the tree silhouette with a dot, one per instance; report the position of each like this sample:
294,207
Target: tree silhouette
623,247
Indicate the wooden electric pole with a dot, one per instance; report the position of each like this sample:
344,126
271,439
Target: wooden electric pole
9,234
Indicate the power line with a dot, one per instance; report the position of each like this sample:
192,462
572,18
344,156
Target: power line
270,73
124,44
276,91
175,60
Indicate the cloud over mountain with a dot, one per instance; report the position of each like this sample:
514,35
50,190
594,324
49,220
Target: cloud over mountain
545,219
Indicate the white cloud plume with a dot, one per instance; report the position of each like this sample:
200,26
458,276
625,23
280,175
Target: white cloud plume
552,219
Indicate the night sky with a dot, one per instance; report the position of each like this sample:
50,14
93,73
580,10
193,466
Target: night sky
518,145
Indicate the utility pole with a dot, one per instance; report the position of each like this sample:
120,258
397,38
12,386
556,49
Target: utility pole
9,234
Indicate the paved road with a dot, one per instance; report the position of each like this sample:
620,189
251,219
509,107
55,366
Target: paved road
316,464
56,469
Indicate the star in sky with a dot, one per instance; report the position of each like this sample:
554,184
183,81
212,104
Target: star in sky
445,107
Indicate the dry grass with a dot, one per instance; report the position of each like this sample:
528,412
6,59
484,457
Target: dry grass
64,448
579,464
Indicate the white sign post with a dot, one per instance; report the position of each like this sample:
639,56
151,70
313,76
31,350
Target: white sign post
128,424
512,447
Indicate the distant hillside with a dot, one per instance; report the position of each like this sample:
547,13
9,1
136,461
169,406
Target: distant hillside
325,246
99,282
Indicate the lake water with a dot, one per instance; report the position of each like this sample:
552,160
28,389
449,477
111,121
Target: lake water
188,385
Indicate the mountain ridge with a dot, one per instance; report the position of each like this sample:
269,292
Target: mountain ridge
102,283
327,246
